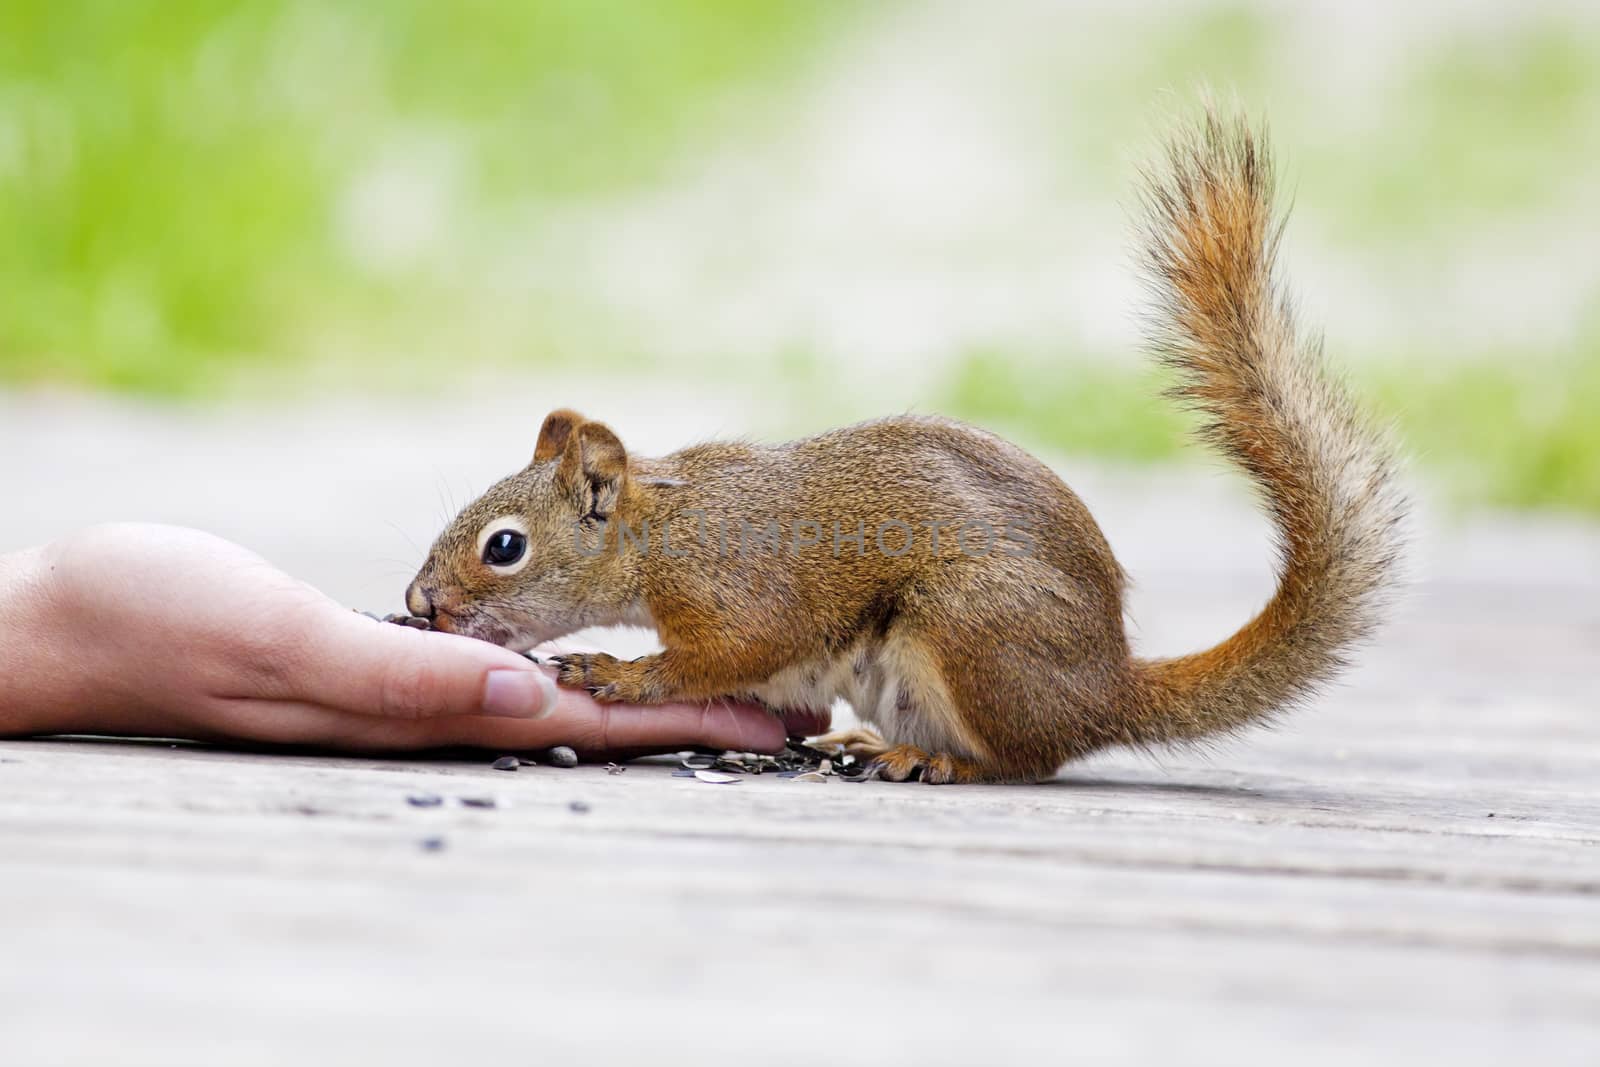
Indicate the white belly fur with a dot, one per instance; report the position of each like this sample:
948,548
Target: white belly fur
893,685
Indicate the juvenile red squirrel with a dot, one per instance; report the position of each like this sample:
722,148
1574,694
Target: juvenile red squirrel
944,582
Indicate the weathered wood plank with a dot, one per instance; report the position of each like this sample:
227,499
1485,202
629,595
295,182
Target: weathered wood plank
1408,870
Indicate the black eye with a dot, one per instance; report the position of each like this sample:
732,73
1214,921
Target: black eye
504,547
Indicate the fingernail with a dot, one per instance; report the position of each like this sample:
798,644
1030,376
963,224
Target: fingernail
518,694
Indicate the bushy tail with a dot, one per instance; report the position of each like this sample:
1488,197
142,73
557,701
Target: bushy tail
1226,327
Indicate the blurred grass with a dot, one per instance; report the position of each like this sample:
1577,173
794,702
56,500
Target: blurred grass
1476,128
1501,430
186,192
172,175
1491,129
1481,133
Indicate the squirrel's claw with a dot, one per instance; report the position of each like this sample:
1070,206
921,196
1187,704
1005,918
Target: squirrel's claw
606,678
906,763
577,670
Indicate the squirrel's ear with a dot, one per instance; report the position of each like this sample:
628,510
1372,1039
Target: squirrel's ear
554,434
594,466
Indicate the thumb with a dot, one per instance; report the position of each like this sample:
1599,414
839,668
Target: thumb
360,665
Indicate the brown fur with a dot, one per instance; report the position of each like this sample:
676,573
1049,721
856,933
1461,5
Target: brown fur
992,666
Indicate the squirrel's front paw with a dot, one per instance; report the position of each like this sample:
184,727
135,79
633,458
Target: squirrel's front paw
609,679
580,670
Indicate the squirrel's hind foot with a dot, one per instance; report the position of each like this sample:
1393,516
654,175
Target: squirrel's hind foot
904,763
860,742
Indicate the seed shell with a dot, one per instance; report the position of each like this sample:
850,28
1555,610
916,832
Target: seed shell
717,777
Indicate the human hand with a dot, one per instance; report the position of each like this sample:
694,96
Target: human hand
139,630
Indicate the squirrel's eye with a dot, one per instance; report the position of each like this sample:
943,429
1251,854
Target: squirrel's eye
504,548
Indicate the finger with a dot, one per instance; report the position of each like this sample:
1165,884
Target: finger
604,729
349,662
591,728
599,728
594,729
806,722
293,722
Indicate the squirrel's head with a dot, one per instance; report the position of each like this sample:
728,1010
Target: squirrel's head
520,564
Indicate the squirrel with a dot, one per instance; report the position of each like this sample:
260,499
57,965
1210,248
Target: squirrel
943,581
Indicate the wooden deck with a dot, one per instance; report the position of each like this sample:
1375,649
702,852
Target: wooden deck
1407,872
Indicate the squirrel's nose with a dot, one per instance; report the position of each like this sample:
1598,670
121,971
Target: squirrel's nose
419,601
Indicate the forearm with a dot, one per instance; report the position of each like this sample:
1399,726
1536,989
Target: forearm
28,696
55,676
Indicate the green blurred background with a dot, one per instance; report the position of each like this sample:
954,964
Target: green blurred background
855,208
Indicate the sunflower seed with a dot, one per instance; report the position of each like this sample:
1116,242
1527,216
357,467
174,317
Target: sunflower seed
424,800
717,778
700,763
477,802
615,768
810,776
578,807
562,756
506,763
825,767
431,844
